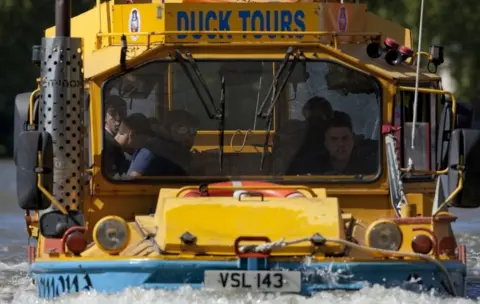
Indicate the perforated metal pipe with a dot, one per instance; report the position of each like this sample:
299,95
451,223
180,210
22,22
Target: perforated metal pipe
62,106
61,114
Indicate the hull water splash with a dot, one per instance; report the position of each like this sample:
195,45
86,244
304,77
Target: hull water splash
53,279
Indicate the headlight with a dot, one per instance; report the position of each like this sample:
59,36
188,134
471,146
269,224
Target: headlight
384,235
111,234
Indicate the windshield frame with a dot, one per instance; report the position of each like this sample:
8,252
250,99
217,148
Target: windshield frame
281,179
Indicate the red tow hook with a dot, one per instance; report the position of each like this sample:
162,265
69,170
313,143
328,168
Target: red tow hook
251,254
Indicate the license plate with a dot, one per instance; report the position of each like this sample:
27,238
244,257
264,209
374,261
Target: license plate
264,281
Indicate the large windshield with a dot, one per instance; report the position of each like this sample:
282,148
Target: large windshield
162,122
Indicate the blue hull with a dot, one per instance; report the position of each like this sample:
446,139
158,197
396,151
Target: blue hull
56,278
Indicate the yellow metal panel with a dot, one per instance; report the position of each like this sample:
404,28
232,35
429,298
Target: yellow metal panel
238,17
88,24
106,60
257,17
329,13
387,27
217,222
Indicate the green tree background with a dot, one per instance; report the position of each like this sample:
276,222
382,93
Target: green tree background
450,22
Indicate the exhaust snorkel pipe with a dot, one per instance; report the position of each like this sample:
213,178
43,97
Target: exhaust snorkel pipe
63,15
62,115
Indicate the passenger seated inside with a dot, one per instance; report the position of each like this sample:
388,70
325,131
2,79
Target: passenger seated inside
133,133
113,155
179,131
289,138
155,125
317,109
181,127
317,112
167,153
343,157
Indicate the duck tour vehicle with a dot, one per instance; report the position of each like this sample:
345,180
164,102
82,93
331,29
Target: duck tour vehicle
262,146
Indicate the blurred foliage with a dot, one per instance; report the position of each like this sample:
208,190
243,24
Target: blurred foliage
449,23
22,23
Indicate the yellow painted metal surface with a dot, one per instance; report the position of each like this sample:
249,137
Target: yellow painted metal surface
217,222
160,25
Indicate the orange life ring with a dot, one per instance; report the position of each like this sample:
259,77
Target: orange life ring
236,193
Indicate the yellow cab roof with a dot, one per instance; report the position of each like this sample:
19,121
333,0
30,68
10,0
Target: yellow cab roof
101,53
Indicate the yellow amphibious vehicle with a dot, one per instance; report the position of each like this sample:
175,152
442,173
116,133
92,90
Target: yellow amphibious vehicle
270,146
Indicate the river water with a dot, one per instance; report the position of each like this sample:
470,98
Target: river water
15,287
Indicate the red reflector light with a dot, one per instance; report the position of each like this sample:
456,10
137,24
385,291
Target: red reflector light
390,43
406,51
422,244
76,242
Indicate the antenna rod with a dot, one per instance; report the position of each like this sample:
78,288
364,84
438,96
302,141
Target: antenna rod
63,13
417,76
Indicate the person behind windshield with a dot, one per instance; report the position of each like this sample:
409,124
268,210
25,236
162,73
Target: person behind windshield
167,153
114,159
178,136
317,109
181,127
134,133
340,144
155,125
317,112
288,141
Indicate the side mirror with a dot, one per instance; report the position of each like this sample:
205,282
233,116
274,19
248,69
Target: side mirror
29,143
463,120
465,152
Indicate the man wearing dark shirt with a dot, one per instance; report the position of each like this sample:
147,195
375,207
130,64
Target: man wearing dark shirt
165,154
133,134
343,155
317,112
169,153
114,159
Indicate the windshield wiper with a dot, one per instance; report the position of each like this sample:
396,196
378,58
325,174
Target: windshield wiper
195,68
276,95
179,57
221,124
218,113
271,89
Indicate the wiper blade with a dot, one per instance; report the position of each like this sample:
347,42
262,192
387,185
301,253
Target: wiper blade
269,113
218,114
194,66
271,90
221,124
279,91
179,57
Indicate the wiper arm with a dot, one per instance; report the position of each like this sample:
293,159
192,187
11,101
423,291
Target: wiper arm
273,86
195,68
279,91
179,57
269,113
221,124
218,114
